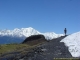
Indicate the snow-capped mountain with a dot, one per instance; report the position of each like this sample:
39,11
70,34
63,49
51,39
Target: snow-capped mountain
51,35
19,32
25,32
73,43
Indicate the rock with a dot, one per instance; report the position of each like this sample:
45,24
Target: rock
34,39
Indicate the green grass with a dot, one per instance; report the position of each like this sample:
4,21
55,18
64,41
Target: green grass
13,47
22,48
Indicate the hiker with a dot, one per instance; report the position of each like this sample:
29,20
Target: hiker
65,31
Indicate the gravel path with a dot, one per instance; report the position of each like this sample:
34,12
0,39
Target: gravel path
49,51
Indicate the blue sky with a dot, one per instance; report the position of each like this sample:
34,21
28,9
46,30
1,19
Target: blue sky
42,15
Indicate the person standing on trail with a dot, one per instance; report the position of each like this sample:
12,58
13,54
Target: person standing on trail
65,31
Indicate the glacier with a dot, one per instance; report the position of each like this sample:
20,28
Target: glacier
21,34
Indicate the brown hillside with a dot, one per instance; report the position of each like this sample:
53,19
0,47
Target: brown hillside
34,39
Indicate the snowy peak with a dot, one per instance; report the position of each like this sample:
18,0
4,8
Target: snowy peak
26,32
29,31
19,32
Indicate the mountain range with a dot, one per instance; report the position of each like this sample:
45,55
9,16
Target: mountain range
18,35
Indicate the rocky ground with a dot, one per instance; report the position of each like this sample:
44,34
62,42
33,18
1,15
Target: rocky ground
48,51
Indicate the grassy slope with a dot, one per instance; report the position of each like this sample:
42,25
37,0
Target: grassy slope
12,47
22,48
